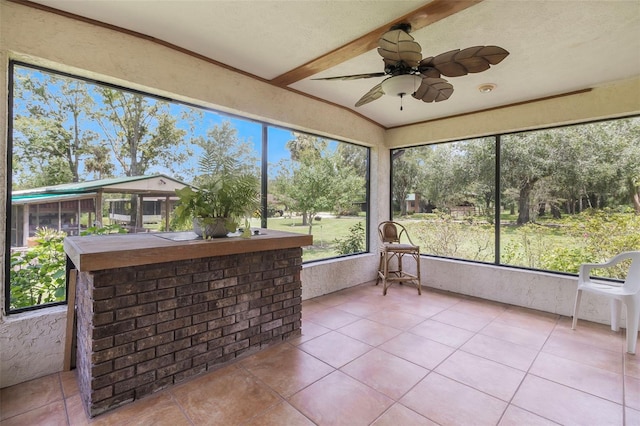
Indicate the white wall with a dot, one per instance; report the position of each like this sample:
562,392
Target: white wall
32,342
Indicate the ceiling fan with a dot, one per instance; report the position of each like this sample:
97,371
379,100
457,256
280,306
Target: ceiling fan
408,73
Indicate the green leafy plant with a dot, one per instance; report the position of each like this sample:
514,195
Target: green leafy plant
229,197
38,273
352,243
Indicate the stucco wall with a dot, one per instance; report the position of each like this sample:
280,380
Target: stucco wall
616,100
32,345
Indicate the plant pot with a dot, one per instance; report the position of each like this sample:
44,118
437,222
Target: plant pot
210,228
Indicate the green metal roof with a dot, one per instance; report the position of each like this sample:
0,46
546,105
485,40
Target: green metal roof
85,187
48,198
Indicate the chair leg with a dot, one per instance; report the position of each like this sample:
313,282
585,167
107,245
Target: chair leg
576,306
616,306
380,268
633,319
385,274
418,274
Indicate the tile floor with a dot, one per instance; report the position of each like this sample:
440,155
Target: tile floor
397,360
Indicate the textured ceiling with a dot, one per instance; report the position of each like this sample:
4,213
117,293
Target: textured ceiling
555,46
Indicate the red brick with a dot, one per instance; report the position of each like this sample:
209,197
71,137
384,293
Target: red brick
196,287
154,364
101,394
223,283
156,340
239,307
191,352
115,376
112,353
102,344
190,331
234,328
271,325
155,271
138,380
249,296
191,310
134,358
219,323
101,293
193,267
134,335
135,287
206,336
271,308
172,369
234,347
205,277
186,374
174,281
173,325
135,311
208,296
155,318
103,318
173,346
154,296
103,368
207,316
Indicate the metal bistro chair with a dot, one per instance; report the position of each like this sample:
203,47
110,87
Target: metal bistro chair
391,248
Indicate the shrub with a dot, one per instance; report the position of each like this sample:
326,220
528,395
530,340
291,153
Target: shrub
352,243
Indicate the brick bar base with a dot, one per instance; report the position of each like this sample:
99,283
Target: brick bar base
141,329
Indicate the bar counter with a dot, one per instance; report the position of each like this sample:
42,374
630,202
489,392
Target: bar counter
155,309
97,252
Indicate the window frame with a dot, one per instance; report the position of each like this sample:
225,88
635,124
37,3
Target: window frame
498,191
263,162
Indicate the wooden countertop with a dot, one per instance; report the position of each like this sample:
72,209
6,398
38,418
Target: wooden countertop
98,252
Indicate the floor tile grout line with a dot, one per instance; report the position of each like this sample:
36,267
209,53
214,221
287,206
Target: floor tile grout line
527,372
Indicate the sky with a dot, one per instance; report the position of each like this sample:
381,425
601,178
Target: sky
249,131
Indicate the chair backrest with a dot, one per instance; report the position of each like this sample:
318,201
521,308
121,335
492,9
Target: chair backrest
392,232
388,232
633,276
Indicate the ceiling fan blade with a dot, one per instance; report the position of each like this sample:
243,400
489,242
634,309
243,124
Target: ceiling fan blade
353,77
456,63
376,92
433,90
397,45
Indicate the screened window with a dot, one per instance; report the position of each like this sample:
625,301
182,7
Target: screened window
566,196
66,130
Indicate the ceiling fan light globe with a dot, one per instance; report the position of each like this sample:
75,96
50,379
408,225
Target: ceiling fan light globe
401,84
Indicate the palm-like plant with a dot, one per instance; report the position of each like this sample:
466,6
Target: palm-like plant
226,196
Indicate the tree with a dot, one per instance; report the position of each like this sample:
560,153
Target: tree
140,131
51,135
320,178
526,158
404,181
99,163
223,151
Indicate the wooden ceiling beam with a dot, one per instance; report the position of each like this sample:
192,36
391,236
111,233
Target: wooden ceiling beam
419,18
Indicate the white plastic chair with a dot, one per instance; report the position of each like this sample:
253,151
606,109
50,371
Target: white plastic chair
627,293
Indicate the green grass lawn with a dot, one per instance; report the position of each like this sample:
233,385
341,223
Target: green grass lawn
324,231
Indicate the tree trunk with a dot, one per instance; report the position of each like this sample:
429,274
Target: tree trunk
523,204
636,201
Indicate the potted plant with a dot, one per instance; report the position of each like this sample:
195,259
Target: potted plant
218,204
